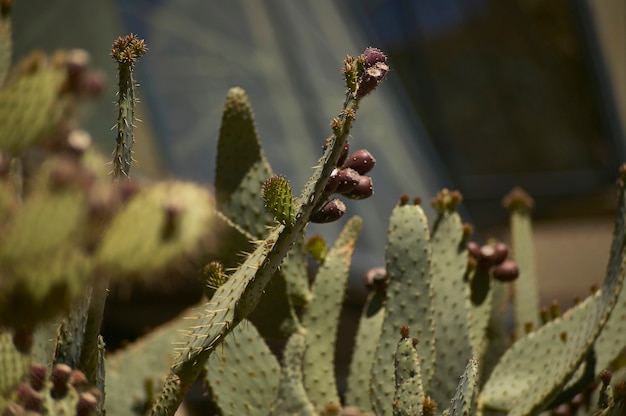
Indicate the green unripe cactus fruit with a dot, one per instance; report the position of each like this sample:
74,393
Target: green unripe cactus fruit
278,199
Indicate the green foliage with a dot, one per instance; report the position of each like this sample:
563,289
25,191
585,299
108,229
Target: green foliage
68,229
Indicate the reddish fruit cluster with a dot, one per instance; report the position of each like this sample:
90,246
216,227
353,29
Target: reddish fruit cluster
494,256
375,69
31,395
347,179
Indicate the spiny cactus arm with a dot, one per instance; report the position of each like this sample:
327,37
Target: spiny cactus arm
126,52
365,344
408,302
537,366
239,296
526,291
244,376
461,403
321,317
449,261
6,39
292,398
409,392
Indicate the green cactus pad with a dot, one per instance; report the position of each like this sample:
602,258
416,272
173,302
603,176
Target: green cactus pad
449,261
133,372
278,199
321,317
365,344
241,166
291,398
461,403
488,328
158,227
409,301
409,394
538,365
526,294
6,46
244,376
14,364
43,266
32,105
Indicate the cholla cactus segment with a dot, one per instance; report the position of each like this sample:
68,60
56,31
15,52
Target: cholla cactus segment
126,52
160,226
365,344
244,376
461,403
278,199
292,398
449,261
409,393
538,365
409,301
321,317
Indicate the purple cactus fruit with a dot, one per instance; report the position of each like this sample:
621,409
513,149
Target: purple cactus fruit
474,250
37,376
506,271
347,180
371,78
500,253
362,161
374,56
363,190
86,405
60,377
29,398
332,211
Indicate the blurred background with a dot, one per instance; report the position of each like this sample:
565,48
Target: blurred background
484,95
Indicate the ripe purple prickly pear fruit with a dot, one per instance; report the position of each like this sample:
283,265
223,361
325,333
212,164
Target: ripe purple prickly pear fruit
347,179
332,211
362,161
507,271
363,190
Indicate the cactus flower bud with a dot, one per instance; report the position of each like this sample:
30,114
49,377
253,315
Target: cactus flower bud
376,279
362,161
332,211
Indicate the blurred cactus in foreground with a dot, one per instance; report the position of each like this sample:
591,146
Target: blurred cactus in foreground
432,338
